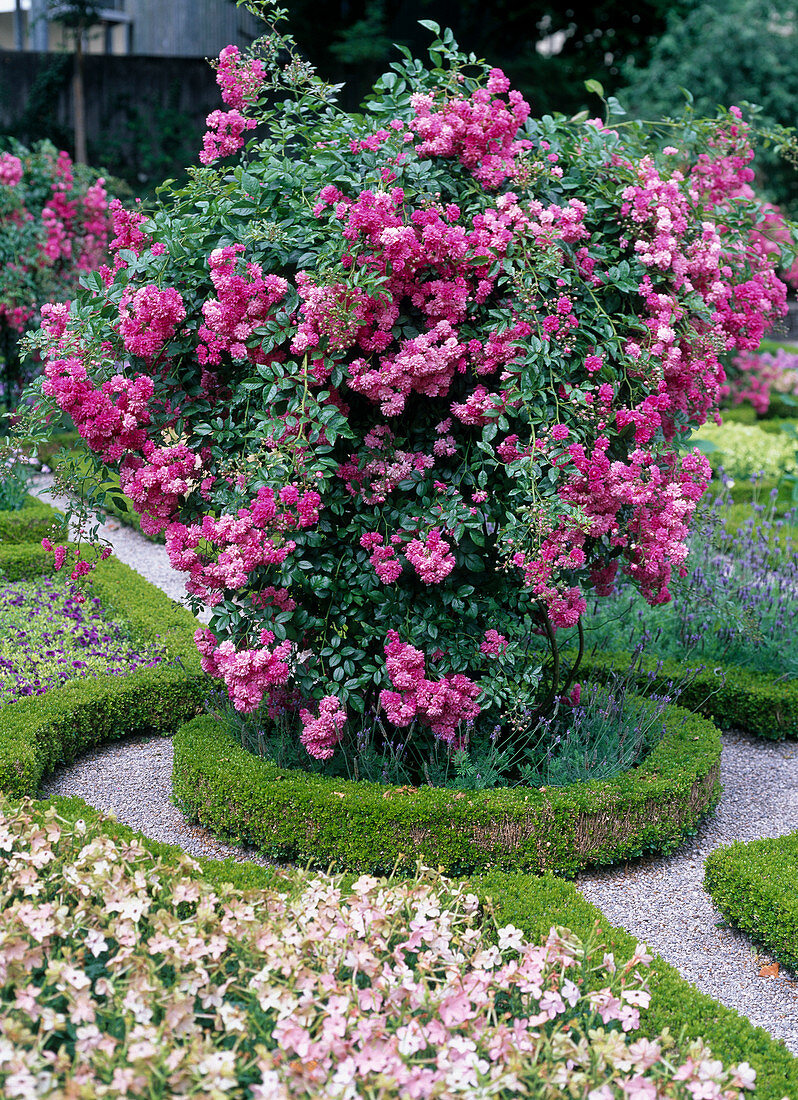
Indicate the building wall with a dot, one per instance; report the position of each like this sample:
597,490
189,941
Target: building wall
162,28
188,28
145,116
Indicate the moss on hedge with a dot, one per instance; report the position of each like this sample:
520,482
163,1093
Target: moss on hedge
732,697
292,814
755,886
41,731
29,524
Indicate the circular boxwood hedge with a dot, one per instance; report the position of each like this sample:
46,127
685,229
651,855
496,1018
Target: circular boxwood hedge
292,814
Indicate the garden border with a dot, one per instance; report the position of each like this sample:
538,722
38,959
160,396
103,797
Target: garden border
749,881
761,703
40,731
28,524
534,904
296,815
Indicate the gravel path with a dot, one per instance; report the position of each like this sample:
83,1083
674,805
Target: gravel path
133,779
662,901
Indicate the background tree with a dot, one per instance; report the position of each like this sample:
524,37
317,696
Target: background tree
77,17
547,49
738,51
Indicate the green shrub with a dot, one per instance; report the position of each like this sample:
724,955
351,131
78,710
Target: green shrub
741,414
730,696
23,560
290,814
755,886
31,523
747,449
39,732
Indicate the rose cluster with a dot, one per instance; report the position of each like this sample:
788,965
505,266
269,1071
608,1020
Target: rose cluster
54,227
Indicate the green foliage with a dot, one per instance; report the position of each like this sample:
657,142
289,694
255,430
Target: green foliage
744,450
364,42
32,521
579,41
755,886
13,487
732,697
290,814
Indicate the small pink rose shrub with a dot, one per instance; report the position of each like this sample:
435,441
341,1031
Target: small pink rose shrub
124,976
397,383
55,226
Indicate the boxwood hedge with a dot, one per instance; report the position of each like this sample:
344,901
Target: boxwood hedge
38,732
755,886
29,524
732,697
292,814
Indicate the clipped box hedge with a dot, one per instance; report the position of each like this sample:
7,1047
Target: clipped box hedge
730,696
41,731
29,524
295,815
755,886
534,904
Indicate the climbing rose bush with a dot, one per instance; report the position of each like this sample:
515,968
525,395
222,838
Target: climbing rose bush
55,224
402,388
124,976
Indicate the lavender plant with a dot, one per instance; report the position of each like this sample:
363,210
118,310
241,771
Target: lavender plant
738,602
591,733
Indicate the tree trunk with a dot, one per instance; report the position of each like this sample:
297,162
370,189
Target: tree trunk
19,38
79,102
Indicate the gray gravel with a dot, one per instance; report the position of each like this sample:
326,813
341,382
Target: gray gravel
662,901
132,778
659,900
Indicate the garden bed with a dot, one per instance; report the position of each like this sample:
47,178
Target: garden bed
532,904
754,886
40,732
291,814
